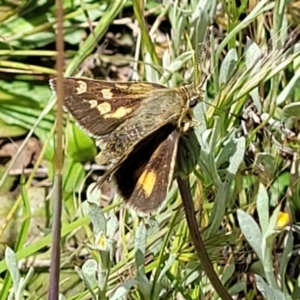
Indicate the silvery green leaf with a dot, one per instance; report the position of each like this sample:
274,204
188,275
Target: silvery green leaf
228,149
140,250
112,225
93,194
262,203
271,230
143,283
256,98
192,276
202,17
102,278
289,89
289,113
151,73
205,9
251,231
89,271
208,141
228,66
122,291
286,255
199,113
152,227
268,292
85,207
218,210
85,280
223,194
12,266
237,288
97,218
19,291
268,163
227,273
167,266
153,230
24,282
140,245
237,158
252,55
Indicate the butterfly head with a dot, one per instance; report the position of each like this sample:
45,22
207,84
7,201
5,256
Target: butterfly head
194,95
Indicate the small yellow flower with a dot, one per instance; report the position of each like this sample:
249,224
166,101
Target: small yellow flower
283,219
101,241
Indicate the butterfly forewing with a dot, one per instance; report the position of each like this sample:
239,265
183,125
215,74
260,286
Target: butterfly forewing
100,106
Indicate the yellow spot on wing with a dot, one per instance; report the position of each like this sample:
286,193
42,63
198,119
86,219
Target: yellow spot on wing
106,93
93,103
119,113
147,181
82,87
104,108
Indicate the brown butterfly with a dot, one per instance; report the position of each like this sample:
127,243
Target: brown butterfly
138,126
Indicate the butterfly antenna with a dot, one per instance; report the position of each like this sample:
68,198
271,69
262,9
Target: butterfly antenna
197,65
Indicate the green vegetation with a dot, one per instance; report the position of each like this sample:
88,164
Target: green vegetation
245,186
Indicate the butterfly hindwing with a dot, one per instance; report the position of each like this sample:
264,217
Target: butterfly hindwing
144,177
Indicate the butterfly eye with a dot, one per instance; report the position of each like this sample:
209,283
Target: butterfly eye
193,102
